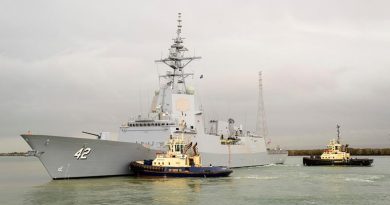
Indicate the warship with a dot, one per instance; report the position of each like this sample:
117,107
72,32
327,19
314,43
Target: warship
221,143
336,154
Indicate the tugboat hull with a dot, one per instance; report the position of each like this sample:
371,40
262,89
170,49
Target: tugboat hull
317,161
150,170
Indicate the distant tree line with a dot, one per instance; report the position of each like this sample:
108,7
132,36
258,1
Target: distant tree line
352,151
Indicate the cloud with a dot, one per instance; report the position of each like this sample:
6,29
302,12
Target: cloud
70,66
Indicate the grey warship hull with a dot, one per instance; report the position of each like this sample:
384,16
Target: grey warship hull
243,160
105,158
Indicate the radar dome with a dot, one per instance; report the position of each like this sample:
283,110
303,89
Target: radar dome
190,90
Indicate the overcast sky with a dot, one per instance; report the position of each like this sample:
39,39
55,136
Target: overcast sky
69,66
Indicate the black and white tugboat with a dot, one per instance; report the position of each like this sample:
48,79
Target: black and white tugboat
179,160
336,154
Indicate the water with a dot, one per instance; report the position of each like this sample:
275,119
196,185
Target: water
25,181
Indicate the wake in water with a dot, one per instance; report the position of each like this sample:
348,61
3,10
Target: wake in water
273,165
282,165
366,179
256,177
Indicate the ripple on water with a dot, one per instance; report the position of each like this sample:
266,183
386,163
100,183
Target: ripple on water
281,165
365,179
256,177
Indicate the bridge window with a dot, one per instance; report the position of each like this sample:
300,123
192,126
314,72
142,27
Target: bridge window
177,148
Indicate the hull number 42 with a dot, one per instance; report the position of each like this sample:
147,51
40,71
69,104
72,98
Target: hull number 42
82,153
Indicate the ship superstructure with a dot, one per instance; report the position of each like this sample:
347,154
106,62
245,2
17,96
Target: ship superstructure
220,143
173,94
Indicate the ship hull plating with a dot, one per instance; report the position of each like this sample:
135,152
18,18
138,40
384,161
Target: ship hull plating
68,157
242,160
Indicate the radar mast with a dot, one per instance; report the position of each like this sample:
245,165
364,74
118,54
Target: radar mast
261,124
177,61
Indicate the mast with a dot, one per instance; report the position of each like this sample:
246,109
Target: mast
338,133
261,125
177,60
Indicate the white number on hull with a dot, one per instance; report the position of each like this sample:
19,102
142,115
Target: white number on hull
85,153
82,153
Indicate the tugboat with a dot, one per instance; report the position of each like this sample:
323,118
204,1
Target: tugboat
336,154
178,161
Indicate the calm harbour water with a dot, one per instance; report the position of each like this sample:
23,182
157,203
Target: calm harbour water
25,181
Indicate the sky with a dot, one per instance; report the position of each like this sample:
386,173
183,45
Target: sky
72,66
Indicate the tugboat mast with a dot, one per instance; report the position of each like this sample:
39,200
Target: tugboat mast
338,134
177,61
